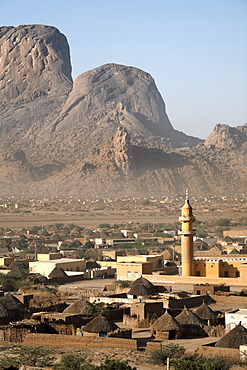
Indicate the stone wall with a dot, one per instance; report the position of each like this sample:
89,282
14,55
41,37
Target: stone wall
208,351
71,341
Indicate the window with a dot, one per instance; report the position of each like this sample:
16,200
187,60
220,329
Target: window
136,275
128,274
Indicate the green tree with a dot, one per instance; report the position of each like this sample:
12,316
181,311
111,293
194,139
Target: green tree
98,308
89,244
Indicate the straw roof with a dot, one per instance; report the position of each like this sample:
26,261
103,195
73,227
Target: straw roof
81,307
57,272
205,312
92,265
188,318
44,232
133,252
54,237
166,323
100,324
234,338
142,281
142,287
25,323
4,312
11,302
18,264
234,251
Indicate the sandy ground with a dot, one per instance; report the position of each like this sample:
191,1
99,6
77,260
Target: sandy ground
19,220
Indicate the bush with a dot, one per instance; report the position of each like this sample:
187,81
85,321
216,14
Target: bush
98,308
29,356
71,361
115,365
201,363
159,356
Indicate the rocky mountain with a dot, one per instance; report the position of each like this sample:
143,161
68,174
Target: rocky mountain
105,134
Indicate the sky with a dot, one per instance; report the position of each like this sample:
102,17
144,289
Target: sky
196,50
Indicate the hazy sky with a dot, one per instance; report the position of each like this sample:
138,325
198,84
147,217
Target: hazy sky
196,50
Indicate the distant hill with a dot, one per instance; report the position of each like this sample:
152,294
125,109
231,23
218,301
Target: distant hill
105,134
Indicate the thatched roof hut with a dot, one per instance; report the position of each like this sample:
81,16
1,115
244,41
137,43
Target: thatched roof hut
18,264
81,307
55,237
191,323
12,303
166,327
90,265
100,324
166,322
57,272
206,313
141,287
188,318
5,312
234,338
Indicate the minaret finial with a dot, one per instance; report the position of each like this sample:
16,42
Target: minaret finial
187,194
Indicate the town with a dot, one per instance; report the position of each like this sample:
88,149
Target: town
132,274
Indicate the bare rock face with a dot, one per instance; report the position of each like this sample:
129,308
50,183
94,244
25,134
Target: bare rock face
113,95
34,62
225,137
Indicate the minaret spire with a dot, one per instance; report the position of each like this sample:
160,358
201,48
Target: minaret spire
187,194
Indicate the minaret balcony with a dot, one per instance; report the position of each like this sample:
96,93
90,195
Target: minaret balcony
187,233
187,219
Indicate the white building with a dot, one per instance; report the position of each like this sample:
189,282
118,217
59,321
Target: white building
234,317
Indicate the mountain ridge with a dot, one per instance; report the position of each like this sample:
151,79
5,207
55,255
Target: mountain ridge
107,132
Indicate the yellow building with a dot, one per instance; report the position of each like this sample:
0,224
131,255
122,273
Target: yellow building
49,256
133,270
156,260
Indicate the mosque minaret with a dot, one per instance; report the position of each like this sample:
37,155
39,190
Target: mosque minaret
187,234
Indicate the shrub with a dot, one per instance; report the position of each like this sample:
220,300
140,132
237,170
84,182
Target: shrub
115,365
29,356
71,361
159,356
201,363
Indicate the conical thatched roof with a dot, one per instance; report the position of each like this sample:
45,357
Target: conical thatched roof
205,312
43,232
57,272
234,338
100,324
234,251
92,265
5,312
188,318
81,307
54,237
17,264
11,302
166,323
142,287
133,252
